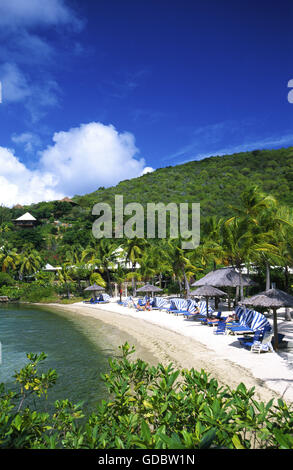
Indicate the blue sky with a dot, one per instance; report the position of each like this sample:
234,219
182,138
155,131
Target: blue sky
97,91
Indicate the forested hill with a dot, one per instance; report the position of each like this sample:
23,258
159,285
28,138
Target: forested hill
215,182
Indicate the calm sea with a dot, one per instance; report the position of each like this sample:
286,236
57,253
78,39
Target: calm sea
78,347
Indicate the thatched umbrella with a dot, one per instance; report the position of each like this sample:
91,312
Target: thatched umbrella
224,277
95,288
208,291
149,288
274,299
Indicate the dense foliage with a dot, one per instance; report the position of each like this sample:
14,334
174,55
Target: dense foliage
246,218
149,407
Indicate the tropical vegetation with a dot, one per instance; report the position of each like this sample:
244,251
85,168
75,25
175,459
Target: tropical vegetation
148,407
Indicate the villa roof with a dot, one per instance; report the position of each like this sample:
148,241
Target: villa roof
27,216
67,199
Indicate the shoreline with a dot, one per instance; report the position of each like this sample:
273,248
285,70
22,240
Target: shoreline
188,344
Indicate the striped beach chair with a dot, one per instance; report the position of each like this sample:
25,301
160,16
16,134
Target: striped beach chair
250,322
179,306
160,303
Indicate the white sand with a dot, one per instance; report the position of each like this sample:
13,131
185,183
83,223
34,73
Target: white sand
189,344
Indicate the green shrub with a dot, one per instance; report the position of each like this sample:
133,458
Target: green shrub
149,407
34,292
6,279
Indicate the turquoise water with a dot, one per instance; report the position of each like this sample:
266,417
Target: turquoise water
77,347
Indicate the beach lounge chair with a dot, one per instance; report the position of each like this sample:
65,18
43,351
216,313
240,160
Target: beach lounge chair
159,303
192,310
202,314
248,342
265,345
103,299
221,328
127,302
280,339
249,322
215,320
178,306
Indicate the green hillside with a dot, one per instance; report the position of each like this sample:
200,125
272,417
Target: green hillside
215,182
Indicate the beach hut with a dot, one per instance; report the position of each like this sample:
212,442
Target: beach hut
274,299
208,291
149,288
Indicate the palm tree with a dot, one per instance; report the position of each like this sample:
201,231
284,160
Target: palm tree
119,276
156,261
134,248
30,261
9,258
253,202
259,213
102,255
182,266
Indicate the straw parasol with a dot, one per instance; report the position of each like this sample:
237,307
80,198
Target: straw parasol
274,299
224,277
149,288
95,288
208,291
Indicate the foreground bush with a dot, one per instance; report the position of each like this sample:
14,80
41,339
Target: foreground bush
148,407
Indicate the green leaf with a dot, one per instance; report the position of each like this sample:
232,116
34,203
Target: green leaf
237,443
145,431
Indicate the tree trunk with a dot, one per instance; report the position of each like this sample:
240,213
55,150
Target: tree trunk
287,314
109,282
268,277
187,287
286,278
241,283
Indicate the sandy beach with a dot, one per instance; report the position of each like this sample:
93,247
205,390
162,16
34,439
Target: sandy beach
188,344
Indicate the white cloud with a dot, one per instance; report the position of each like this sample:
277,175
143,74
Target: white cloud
20,185
37,97
147,169
29,13
80,161
90,156
29,140
27,56
15,86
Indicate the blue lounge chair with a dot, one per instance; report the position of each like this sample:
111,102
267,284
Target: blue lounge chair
249,342
221,328
244,324
249,322
159,303
264,345
213,321
178,306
